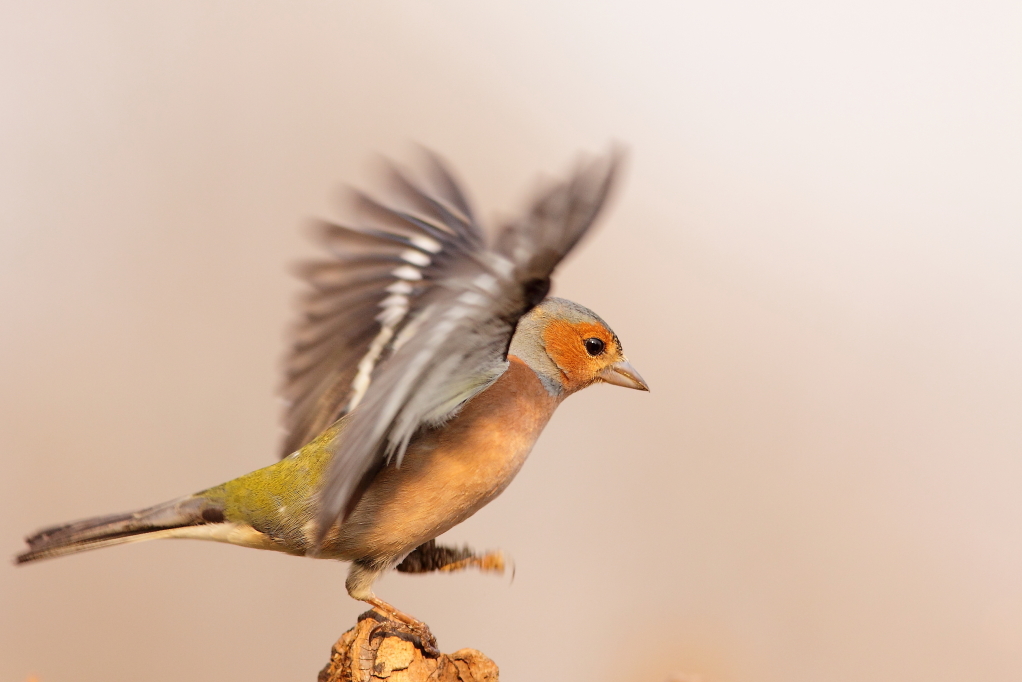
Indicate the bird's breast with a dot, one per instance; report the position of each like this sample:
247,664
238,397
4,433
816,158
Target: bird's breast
449,472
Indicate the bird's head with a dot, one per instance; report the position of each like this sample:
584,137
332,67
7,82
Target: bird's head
570,347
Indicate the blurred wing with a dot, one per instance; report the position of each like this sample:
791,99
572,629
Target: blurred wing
361,298
454,336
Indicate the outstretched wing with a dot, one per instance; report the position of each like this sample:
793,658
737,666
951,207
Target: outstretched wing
365,294
455,322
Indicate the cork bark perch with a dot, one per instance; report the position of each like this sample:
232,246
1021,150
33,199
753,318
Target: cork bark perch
378,650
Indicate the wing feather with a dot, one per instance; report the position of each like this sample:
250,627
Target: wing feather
361,298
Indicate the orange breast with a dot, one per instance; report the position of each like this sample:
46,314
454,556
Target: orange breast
450,472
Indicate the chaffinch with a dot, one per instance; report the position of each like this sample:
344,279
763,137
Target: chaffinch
425,367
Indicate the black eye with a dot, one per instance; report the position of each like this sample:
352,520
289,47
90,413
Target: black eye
594,346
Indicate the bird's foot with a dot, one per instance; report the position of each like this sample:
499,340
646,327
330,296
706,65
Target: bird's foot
491,562
400,623
433,557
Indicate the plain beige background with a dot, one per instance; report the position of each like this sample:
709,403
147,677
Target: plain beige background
815,261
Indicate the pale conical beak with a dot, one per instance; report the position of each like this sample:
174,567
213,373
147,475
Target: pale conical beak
623,374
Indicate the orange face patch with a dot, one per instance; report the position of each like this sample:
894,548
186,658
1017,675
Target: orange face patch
565,345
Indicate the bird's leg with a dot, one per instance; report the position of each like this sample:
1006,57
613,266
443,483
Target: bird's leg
430,557
394,614
416,627
361,576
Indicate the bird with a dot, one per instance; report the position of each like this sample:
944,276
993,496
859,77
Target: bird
428,358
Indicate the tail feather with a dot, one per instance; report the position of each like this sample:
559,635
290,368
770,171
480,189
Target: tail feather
103,531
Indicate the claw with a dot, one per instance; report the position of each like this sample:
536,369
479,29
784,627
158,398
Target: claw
418,630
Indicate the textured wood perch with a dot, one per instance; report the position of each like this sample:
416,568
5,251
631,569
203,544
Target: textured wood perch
378,649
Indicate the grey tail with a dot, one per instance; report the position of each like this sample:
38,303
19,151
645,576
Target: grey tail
116,529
